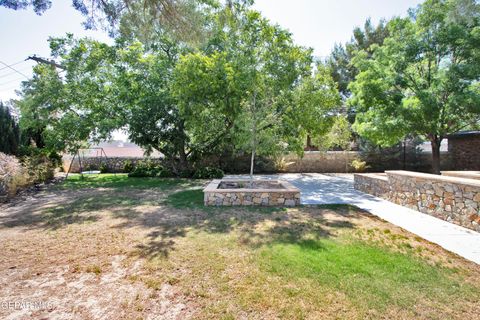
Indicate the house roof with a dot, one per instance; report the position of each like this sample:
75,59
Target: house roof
462,134
117,148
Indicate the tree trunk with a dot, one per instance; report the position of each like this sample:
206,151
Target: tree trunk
346,160
309,143
254,136
183,159
435,142
252,162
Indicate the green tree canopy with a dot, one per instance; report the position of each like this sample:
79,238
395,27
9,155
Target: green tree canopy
236,92
183,18
424,79
340,60
244,86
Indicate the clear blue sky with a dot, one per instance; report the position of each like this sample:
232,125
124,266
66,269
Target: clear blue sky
314,23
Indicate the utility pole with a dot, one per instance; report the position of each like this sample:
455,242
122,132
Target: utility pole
45,61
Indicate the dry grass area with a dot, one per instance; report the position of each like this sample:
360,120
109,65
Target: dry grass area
114,248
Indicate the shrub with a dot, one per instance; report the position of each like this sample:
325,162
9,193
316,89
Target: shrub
39,168
164,173
12,176
140,171
186,173
359,165
103,168
208,173
16,174
149,169
127,166
280,164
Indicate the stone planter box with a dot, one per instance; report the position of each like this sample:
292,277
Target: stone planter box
284,194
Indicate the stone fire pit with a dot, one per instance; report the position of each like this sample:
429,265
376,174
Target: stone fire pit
238,192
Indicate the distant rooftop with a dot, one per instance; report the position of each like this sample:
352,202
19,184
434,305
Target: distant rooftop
117,148
464,134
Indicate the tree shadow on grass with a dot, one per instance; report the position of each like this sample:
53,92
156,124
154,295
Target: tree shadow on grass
187,199
165,216
184,211
63,211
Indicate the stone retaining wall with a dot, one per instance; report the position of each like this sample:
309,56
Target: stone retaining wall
288,196
453,199
372,183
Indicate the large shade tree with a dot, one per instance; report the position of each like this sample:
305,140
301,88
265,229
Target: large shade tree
72,106
104,88
238,91
244,85
424,79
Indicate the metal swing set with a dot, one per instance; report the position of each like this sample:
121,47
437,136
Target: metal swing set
80,155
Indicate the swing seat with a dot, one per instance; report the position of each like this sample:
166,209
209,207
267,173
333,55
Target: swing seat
91,172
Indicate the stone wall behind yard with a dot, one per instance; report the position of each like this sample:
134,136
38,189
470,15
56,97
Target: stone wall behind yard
114,164
317,161
453,199
336,161
312,161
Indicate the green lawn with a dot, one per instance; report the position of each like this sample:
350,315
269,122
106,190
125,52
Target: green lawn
76,181
308,262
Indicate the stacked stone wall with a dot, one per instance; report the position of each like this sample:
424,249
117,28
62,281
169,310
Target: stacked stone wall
288,199
453,199
312,161
288,196
374,184
114,164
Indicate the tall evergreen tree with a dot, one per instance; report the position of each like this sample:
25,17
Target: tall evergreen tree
340,61
9,131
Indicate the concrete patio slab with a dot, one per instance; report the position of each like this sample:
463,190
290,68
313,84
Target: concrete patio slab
338,189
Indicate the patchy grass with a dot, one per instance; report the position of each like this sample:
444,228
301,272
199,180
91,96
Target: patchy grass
77,181
149,248
186,199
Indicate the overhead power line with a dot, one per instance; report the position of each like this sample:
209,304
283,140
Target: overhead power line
14,72
10,67
11,81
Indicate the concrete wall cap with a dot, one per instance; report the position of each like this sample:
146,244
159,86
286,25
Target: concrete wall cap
434,177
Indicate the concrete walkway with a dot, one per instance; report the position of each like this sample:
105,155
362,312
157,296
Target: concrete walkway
328,189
